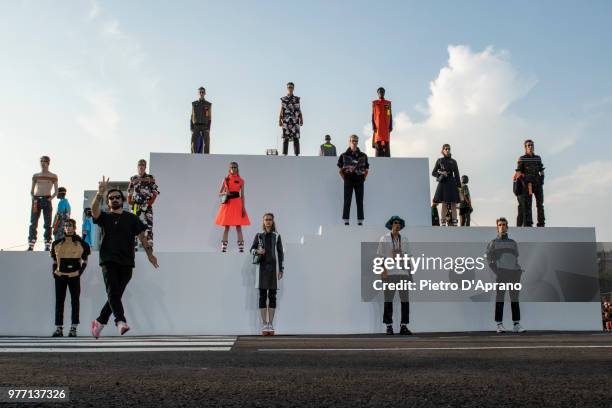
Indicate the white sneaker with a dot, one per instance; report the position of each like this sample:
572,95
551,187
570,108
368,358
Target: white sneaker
501,328
270,329
518,328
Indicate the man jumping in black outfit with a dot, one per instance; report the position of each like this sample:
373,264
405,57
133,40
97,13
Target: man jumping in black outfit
116,253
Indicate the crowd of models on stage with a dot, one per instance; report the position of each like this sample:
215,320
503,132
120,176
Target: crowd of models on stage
123,231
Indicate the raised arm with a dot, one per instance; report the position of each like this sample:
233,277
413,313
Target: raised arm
102,187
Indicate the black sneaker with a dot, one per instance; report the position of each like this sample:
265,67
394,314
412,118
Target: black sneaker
346,223
58,332
390,330
360,223
404,331
72,332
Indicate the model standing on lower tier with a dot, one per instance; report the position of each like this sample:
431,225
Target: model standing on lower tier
267,249
69,255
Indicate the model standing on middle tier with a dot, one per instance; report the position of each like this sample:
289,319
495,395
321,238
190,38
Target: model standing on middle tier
446,173
232,212
290,119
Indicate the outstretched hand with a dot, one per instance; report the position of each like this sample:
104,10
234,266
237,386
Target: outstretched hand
153,260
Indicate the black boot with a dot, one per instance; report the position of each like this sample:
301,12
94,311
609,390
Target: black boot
390,330
59,332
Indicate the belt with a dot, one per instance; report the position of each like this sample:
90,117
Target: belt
67,274
42,196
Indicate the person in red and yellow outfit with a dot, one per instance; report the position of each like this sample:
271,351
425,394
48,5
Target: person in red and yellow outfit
232,212
382,124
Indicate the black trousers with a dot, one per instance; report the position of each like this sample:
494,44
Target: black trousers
519,213
116,278
353,183
507,276
526,204
62,283
389,295
296,146
465,217
382,150
270,296
200,139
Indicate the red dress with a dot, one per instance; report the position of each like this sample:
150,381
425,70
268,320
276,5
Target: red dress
230,213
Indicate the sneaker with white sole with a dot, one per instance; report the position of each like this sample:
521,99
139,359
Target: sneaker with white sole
123,327
501,328
264,329
270,329
96,328
518,328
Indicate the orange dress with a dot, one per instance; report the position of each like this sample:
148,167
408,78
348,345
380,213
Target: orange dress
230,213
381,118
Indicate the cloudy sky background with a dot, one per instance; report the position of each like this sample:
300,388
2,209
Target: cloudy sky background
99,84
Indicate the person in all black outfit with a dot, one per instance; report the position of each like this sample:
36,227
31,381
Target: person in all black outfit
267,250
446,173
119,228
530,171
354,169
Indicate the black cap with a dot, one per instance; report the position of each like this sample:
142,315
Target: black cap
327,137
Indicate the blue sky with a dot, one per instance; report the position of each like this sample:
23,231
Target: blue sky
97,85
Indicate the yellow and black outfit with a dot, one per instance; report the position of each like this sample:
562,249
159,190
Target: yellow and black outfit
69,261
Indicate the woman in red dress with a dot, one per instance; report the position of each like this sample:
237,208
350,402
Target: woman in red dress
232,212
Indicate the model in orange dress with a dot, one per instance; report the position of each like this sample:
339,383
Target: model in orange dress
382,124
232,212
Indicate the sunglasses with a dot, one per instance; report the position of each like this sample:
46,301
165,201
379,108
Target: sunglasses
233,167
115,197
529,145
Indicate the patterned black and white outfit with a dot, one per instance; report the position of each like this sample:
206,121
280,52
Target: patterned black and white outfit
291,117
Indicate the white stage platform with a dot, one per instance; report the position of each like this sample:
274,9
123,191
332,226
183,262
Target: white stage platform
198,290
302,192
214,293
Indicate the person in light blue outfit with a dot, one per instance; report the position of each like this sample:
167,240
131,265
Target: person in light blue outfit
62,215
88,229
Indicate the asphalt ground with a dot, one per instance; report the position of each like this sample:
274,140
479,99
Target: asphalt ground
426,370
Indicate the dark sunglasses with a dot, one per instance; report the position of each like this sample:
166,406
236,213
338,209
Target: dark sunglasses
529,145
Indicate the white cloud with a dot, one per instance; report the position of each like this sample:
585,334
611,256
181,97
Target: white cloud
474,84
